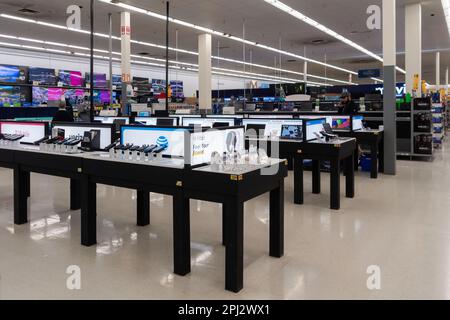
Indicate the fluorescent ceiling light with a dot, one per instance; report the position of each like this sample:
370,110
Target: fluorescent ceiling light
222,34
280,5
170,48
446,7
229,72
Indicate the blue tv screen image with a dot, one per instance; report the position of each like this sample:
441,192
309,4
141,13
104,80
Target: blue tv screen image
43,76
40,96
13,74
99,80
10,96
117,81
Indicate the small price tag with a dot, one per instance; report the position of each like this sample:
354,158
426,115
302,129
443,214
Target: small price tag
88,85
36,83
60,84
114,87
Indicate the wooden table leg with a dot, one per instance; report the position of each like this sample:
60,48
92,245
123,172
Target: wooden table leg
21,188
335,188
234,256
88,212
181,234
316,176
277,221
143,208
75,194
298,180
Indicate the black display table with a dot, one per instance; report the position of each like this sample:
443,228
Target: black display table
165,176
334,152
375,140
233,189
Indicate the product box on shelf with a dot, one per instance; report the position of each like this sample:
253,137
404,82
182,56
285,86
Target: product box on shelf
423,144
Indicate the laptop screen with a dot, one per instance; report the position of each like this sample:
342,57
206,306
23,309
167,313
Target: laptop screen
292,132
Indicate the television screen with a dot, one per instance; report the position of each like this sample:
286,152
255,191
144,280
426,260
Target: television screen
142,84
158,86
117,81
99,80
74,96
11,96
43,76
177,89
71,78
101,97
13,74
40,96
341,123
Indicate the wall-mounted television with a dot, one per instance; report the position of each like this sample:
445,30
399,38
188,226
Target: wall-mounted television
40,96
13,74
43,76
70,78
117,81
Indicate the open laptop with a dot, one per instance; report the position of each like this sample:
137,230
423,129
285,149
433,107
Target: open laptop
291,132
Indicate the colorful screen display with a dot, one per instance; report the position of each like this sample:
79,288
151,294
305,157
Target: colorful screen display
9,73
71,78
99,80
43,76
341,123
10,96
158,86
40,96
177,89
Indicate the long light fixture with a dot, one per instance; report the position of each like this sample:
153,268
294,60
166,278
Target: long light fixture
229,72
148,44
280,5
446,7
220,34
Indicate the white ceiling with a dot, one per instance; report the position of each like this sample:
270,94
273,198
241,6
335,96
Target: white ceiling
263,23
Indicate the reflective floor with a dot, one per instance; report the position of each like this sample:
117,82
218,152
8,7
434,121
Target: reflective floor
400,224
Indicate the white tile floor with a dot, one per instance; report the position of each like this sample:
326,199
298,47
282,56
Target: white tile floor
401,224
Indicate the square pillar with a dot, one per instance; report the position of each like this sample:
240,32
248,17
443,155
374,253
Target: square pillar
125,31
413,46
204,72
389,94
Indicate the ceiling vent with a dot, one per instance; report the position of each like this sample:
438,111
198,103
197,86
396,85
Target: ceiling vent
28,12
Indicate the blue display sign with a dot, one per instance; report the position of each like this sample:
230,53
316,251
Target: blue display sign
369,73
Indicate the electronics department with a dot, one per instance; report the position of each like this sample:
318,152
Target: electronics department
258,150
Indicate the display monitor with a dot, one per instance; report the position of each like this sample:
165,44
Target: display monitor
207,122
312,127
40,96
142,84
357,123
177,89
165,122
32,131
13,74
272,127
12,96
292,132
341,123
99,80
158,86
117,81
255,130
43,76
70,78
77,130
171,139
110,120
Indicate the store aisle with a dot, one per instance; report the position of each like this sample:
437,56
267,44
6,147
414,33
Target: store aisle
400,224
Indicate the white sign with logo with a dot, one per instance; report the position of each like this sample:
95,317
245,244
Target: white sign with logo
171,139
203,144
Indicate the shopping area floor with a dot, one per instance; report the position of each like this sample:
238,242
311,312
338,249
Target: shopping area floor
400,224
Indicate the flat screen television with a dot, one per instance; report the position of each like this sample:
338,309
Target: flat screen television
158,86
177,89
11,96
13,74
43,76
117,81
99,80
142,84
341,123
70,78
101,97
40,96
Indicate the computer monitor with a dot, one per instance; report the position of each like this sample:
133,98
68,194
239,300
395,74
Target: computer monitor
165,122
292,132
220,124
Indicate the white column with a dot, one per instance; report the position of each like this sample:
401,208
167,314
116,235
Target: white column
413,46
305,71
389,93
446,81
204,71
125,31
350,78
438,71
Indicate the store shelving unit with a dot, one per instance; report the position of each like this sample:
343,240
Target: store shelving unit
422,128
439,124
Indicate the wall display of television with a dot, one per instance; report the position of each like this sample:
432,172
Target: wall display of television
22,86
